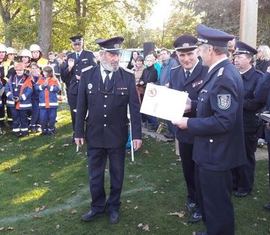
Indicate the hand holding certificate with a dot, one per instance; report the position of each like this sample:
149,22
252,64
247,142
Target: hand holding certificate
163,102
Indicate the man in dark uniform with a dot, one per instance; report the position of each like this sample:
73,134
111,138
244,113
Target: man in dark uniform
71,72
105,92
243,60
3,52
218,129
188,76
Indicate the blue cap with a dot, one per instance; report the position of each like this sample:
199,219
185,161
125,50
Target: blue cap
185,43
112,45
243,48
76,39
214,37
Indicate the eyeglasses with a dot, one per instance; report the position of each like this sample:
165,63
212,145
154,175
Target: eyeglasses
77,44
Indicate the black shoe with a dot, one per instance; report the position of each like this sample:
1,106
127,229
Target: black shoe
91,215
114,217
267,206
240,194
195,217
199,233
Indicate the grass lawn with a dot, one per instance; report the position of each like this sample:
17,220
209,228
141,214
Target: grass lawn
44,190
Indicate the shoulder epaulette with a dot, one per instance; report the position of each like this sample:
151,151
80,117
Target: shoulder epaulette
127,70
176,67
87,68
220,71
88,51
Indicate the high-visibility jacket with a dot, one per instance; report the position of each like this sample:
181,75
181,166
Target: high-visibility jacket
48,89
19,87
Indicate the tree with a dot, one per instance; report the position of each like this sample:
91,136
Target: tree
45,25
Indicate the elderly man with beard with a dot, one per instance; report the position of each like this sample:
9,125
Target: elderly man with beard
105,92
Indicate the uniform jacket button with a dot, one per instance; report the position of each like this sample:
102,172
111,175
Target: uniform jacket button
105,125
105,105
211,140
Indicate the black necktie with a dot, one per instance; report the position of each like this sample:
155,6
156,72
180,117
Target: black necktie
106,80
77,56
187,74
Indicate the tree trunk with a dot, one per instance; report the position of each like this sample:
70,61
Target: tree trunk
45,26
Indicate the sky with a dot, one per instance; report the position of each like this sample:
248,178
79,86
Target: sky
160,14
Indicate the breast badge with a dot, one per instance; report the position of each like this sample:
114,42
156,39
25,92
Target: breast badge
90,85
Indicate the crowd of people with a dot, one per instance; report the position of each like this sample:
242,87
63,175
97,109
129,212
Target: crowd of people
228,85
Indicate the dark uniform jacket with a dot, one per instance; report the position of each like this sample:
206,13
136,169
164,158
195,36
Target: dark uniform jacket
218,128
251,79
263,88
69,77
107,122
192,86
262,65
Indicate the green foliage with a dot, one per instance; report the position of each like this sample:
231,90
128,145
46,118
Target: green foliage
93,19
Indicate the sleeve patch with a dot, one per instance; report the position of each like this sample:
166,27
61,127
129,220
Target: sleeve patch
224,101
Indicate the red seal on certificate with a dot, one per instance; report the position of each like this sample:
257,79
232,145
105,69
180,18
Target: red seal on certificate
152,92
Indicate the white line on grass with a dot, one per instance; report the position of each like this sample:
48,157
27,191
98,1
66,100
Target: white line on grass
70,203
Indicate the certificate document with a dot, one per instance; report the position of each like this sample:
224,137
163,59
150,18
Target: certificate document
163,102
265,117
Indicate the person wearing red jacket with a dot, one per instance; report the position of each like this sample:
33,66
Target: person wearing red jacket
19,90
48,87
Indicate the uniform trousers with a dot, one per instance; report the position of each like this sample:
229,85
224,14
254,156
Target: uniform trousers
97,158
244,175
34,123
188,167
214,189
2,115
20,121
47,119
72,101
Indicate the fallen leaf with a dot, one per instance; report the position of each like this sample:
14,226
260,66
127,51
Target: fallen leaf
128,201
46,182
65,145
35,184
74,191
57,226
16,170
180,214
73,212
51,147
42,208
146,228
136,207
146,152
2,228
140,225
10,228
37,216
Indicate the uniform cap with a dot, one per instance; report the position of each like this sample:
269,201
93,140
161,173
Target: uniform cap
185,43
112,45
243,48
76,39
214,37
34,47
11,50
3,47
